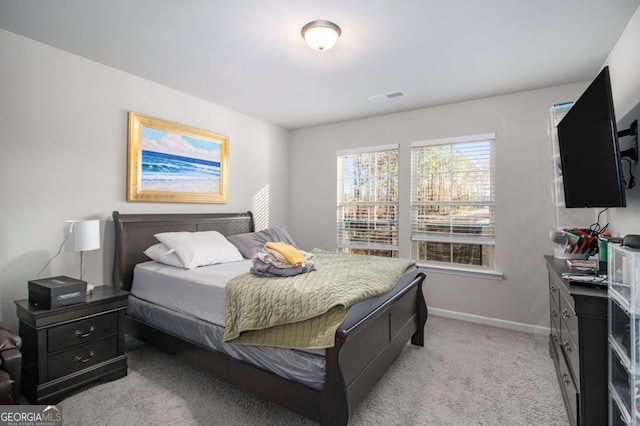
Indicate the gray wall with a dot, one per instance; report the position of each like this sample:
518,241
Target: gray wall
63,132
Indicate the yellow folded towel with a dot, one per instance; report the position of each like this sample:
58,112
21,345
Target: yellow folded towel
290,253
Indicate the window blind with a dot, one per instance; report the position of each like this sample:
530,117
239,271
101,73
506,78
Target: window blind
453,191
367,213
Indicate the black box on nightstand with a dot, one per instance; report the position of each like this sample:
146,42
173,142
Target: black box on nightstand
56,292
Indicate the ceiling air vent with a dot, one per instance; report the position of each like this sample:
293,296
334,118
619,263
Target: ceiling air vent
387,96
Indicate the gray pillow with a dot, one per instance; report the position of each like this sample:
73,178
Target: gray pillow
250,243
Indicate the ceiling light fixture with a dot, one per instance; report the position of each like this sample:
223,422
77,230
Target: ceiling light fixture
321,35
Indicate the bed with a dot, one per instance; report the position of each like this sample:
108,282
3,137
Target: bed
366,343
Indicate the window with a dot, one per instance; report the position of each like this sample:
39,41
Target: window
452,201
368,201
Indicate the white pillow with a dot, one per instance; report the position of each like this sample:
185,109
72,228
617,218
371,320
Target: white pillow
163,254
200,248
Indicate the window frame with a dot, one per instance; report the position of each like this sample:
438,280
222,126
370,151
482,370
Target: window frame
488,271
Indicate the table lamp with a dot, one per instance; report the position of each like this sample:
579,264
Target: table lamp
84,235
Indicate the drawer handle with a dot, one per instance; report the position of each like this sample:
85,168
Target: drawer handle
553,288
565,314
567,346
83,360
565,379
81,335
554,314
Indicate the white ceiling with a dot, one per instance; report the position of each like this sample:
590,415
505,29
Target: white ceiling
248,55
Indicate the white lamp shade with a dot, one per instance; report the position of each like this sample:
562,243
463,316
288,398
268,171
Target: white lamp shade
84,235
321,35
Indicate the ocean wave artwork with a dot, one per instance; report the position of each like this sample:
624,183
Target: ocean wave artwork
177,163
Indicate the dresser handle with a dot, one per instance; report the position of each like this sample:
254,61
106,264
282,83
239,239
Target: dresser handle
565,314
553,288
82,361
567,346
554,314
565,379
82,336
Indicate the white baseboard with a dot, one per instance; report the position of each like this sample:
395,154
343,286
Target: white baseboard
536,330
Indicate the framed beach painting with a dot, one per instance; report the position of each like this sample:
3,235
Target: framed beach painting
170,162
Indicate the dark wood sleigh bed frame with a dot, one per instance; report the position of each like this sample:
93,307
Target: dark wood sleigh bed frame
362,353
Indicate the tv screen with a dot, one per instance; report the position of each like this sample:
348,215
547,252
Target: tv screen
589,151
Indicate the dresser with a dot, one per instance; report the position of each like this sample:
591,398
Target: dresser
69,347
578,345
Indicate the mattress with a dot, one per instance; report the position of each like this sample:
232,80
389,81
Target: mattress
198,292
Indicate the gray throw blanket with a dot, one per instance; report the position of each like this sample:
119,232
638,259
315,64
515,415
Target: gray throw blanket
269,263
262,269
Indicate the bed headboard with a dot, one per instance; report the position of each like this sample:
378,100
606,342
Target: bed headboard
134,234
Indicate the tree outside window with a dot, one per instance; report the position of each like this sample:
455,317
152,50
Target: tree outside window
368,201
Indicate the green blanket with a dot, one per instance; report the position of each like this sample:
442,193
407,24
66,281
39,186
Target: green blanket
304,311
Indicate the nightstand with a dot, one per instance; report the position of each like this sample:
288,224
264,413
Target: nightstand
66,348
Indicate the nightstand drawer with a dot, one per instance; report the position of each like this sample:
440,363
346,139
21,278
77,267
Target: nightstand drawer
81,357
83,331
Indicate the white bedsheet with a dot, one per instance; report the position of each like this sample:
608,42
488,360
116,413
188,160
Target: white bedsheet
197,292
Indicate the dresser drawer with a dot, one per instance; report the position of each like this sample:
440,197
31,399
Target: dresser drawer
555,331
554,295
569,390
554,311
570,350
83,331
568,319
81,357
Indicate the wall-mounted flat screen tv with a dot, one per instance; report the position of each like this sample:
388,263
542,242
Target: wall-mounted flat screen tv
589,150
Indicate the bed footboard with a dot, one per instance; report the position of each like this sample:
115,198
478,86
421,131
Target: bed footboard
364,352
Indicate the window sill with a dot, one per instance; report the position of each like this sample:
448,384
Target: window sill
466,272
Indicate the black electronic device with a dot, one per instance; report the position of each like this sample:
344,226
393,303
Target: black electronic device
56,292
589,149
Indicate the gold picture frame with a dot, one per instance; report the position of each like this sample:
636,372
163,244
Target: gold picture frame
173,163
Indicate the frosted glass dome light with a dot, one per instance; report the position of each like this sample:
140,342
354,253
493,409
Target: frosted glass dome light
321,35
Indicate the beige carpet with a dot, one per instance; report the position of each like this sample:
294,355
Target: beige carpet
467,374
